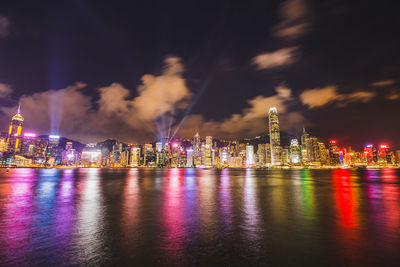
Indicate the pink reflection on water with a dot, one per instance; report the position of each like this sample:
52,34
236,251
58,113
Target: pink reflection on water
172,217
391,203
17,215
225,199
65,208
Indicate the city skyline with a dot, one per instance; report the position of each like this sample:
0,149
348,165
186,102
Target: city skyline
19,148
90,76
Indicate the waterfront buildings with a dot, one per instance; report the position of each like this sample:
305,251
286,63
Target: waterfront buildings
19,148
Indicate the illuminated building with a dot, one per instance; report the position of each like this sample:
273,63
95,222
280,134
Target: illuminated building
53,151
197,150
182,158
397,156
91,156
159,154
333,153
3,144
135,157
69,155
323,153
267,154
275,139
249,155
341,157
148,155
175,155
384,156
285,156
261,161
15,132
124,161
313,153
208,152
368,154
236,162
294,151
40,149
304,138
224,156
189,158
28,144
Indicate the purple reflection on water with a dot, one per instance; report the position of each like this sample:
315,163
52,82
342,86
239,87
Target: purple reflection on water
65,212
172,217
252,220
225,200
17,216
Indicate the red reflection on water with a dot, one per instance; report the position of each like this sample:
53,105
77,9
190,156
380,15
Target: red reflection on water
172,217
17,213
348,219
345,201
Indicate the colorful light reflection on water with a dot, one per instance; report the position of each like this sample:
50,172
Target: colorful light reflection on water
199,217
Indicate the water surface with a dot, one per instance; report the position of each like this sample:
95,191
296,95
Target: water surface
199,217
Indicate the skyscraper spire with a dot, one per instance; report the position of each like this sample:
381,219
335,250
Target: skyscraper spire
19,108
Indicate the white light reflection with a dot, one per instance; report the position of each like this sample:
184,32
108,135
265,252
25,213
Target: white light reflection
90,217
252,214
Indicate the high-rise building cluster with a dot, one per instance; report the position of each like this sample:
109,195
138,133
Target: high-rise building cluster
21,148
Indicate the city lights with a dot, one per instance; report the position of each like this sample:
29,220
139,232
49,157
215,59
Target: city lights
20,148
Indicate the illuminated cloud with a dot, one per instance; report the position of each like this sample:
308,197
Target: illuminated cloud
4,26
5,90
319,97
383,83
251,121
295,19
394,95
278,58
162,94
116,114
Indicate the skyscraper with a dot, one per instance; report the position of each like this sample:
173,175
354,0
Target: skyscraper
275,137
197,149
15,131
208,152
249,155
294,152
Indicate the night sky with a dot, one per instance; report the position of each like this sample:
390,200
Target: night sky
139,70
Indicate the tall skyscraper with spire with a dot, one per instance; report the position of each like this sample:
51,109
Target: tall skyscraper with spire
275,137
197,150
15,132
